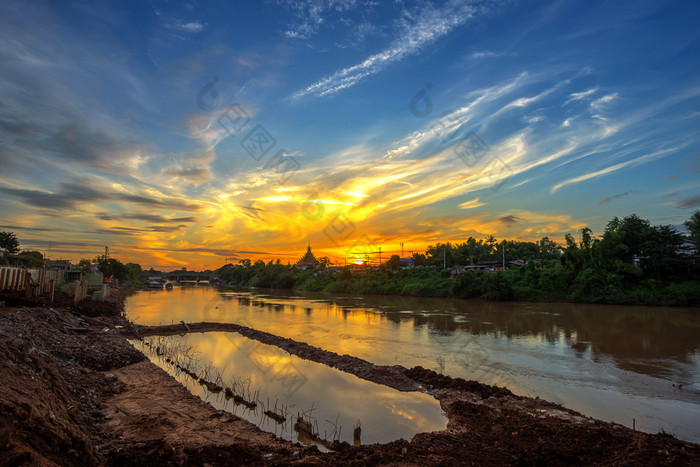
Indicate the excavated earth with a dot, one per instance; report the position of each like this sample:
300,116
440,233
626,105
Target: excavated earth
74,391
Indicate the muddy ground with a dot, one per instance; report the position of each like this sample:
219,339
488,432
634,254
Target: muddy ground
73,391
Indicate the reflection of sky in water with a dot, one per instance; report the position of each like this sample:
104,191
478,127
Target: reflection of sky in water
285,380
609,362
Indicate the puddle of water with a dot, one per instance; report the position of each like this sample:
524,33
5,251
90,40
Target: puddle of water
333,401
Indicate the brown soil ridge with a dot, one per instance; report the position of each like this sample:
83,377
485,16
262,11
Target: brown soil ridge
75,392
459,397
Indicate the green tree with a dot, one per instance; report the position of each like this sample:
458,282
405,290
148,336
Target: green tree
9,241
693,225
664,258
111,267
133,272
323,262
492,242
547,248
635,233
440,254
85,265
32,259
465,285
573,258
496,286
419,259
394,262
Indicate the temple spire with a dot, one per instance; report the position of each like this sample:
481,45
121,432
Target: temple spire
308,260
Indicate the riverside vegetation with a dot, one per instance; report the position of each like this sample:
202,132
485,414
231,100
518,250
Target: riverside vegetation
633,262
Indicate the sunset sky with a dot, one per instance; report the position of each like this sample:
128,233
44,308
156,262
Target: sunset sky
197,133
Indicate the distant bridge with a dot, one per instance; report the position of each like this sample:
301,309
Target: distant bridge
189,276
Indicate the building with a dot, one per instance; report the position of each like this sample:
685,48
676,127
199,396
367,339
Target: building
58,264
308,261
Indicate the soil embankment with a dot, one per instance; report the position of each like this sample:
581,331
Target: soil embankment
74,391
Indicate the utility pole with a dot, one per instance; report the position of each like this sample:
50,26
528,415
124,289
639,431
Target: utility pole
504,255
444,258
106,266
380,256
402,250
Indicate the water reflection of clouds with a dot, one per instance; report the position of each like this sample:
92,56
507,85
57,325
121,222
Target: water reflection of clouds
546,349
622,332
385,413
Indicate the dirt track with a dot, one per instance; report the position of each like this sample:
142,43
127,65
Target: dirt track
74,391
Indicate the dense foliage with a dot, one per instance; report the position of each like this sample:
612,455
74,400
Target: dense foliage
9,241
632,262
112,267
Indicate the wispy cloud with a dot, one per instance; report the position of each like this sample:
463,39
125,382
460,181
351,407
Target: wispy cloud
489,54
471,204
154,218
419,29
70,195
509,220
191,26
607,199
690,202
578,96
309,15
598,104
613,168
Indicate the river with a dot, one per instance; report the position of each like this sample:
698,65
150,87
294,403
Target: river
630,365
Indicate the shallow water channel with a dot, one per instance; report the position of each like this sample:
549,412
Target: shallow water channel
630,365
333,402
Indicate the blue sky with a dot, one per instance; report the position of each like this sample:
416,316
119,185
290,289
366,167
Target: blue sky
184,133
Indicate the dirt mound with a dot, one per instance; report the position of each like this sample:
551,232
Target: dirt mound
484,435
434,380
114,306
51,383
43,413
75,392
156,453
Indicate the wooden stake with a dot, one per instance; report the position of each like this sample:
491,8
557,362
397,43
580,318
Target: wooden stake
28,284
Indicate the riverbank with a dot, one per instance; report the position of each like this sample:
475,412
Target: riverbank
75,391
549,281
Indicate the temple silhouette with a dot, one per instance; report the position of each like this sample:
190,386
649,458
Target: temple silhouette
308,261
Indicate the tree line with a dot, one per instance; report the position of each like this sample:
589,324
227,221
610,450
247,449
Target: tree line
632,262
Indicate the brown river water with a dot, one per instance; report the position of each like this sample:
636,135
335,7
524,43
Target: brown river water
614,363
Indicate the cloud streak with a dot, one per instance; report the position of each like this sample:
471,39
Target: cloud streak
70,196
607,199
418,30
614,168
690,202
